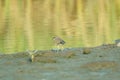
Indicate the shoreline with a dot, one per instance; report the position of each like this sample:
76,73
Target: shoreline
101,62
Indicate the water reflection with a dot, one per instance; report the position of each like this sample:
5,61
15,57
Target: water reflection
33,23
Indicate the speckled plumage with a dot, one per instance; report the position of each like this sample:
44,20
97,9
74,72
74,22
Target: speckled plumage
58,41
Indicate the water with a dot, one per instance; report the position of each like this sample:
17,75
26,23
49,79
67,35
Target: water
29,25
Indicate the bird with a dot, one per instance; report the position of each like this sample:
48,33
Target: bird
59,42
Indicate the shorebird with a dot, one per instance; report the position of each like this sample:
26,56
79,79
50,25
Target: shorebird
59,42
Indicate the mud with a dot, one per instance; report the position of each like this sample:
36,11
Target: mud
93,63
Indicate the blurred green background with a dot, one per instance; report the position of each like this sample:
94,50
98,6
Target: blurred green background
31,24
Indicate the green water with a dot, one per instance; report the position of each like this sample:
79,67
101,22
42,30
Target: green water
43,41
31,24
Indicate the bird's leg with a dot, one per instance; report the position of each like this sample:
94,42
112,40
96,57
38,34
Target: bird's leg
60,47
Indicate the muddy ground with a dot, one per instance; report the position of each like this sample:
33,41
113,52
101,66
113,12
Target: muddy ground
95,63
